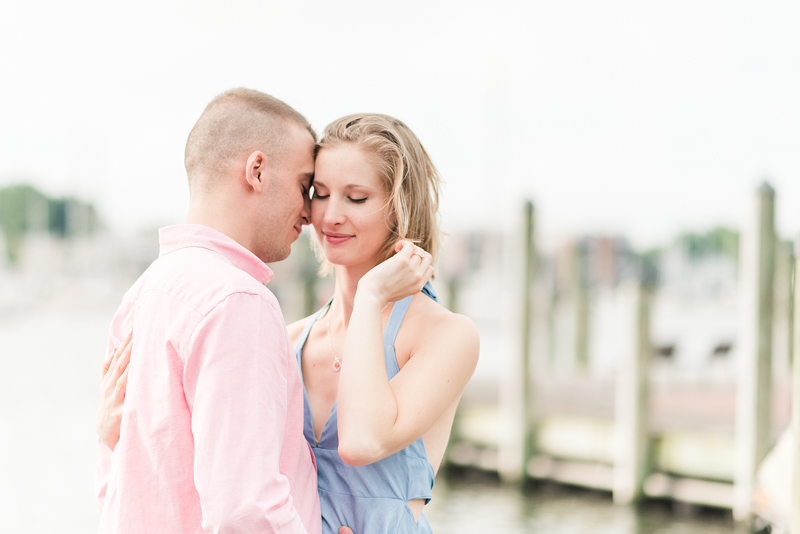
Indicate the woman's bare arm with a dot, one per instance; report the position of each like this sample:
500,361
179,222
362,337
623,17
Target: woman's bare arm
377,418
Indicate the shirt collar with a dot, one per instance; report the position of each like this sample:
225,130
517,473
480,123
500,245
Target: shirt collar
178,236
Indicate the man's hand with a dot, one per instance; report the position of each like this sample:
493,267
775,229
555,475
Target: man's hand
345,530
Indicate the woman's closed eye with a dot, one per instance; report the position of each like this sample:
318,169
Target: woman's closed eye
317,195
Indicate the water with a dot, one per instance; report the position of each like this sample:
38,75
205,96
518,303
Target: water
476,503
48,393
49,366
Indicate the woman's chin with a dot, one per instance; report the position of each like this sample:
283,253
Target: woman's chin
342,260
336,259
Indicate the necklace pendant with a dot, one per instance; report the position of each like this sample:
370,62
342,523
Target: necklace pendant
337,365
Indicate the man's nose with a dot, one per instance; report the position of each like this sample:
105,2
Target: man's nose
306,213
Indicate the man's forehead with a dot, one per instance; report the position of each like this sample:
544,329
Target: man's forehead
300,158
300,136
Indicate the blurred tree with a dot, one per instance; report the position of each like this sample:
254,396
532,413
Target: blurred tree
14,215
716,241
24,209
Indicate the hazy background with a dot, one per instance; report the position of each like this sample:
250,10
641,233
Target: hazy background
617,117
637,120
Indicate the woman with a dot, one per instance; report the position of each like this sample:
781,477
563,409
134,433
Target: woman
382,380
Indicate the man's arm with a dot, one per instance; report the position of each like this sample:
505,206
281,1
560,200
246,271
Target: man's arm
235,381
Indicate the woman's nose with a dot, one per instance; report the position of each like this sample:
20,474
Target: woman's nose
334,214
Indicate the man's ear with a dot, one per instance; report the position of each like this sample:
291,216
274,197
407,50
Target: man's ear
255,171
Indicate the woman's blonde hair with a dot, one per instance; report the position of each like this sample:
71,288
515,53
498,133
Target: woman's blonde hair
410,178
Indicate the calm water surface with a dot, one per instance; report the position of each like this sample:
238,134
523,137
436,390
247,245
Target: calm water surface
469,502
48,393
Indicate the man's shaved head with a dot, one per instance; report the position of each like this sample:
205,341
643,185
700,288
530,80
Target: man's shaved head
235,124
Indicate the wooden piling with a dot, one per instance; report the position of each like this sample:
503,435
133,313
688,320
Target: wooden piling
631,429
308,270
529,273
782,310
580,295
514,456
754,382
452,287
794,517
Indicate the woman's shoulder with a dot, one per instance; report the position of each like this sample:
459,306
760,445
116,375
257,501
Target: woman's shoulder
434,319
295,329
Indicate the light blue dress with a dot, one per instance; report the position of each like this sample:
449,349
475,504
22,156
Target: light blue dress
370,499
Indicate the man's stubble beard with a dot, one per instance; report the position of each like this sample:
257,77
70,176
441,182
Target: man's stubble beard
274,252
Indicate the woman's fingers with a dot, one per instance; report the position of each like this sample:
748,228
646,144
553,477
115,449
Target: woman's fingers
108,371
406,248
421,270
426,270
122,360
112,359
402,275
113,387
426,258
106,363
122,386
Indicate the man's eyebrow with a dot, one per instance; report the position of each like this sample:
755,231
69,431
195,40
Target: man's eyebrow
309,176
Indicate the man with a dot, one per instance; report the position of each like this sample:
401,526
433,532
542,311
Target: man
211,435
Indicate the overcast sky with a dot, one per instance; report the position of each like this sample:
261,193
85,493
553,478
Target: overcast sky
616,117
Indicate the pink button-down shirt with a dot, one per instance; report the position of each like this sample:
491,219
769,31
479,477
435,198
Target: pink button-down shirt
212,430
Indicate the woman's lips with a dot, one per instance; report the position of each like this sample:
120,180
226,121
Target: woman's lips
336,239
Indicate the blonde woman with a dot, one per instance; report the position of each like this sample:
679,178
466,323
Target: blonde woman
382,374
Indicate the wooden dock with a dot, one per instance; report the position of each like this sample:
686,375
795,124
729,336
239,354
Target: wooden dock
691,433
646,431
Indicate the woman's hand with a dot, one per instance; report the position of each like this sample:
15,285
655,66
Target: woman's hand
113,384
401,275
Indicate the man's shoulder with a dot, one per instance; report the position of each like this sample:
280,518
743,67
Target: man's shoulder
200,278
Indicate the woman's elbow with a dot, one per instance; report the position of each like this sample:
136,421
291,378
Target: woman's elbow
357,452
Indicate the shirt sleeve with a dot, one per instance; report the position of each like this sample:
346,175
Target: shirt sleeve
235,381
103,470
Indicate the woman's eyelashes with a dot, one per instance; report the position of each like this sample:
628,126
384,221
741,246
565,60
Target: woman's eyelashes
319,196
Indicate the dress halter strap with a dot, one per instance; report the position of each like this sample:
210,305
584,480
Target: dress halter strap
307,329
399,312
389,334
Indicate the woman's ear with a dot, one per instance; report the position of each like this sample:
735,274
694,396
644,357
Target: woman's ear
254,171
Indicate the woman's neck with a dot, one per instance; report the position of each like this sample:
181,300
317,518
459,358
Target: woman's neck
344,292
